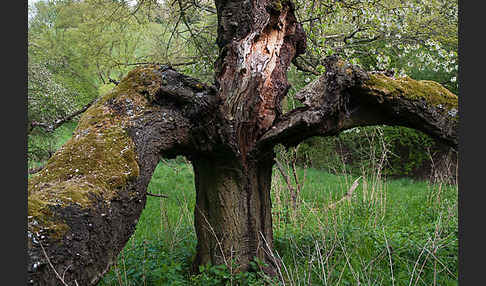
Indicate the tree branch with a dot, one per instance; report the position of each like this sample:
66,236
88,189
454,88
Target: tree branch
346,97
155,63
209,9
50,127
85,202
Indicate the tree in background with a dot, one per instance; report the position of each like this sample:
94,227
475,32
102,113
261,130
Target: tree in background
76,50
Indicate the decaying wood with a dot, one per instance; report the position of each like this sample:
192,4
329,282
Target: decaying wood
84,204
258,40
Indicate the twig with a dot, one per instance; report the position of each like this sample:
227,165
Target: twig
52,266
157,195
116,82
348,194
284,174
156,63
50,127
214,234
389,257
204,7
417,261
268,250
193,36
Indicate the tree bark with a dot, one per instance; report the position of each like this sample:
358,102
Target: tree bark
233,211
347,96
258,40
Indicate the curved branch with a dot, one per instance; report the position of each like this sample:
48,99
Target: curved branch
84,204
346,97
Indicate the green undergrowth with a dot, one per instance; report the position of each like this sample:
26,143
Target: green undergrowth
389,232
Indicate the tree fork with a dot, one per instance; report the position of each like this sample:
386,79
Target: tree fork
258,40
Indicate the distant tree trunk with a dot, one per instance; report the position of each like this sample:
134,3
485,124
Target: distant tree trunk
83,206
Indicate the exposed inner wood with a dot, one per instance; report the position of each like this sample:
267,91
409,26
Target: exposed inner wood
252,79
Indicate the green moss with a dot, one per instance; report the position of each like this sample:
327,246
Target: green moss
144,81
432,92
277,5
99,159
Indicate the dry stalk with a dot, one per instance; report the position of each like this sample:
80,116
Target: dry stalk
348,194
52,266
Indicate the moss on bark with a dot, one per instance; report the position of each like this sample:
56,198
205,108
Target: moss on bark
432,92
99,159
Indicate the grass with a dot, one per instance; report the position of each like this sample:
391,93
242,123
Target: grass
399,232
161,250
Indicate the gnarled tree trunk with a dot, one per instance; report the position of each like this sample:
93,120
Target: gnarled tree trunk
84,204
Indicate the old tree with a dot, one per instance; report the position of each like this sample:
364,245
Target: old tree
84,205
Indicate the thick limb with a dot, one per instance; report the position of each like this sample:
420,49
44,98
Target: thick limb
346,97
84,205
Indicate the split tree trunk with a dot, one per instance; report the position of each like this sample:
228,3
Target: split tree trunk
258,40
83,206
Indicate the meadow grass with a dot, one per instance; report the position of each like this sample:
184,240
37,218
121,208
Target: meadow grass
396,232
